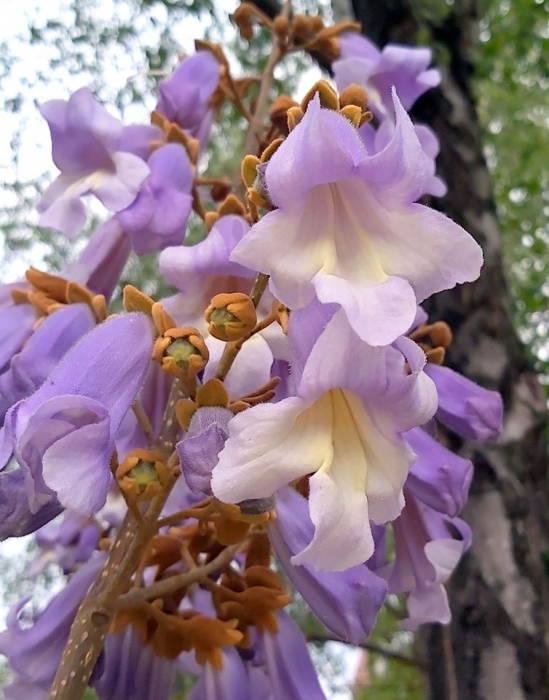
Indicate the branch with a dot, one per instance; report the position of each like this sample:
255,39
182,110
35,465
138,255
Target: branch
137,596
92,621
373,649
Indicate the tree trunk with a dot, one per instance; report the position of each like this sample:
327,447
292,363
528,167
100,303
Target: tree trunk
498,648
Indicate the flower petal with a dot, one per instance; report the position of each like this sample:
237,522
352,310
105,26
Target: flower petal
269,446
84,488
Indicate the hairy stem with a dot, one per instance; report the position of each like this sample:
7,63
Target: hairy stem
92,621
253,136
232,349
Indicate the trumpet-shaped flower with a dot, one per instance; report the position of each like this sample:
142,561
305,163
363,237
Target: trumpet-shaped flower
204,270
132,670
34,653
96,155
470,410
289,665
347,229
185,96
428,539
343,428
158,216
16,324
376,140
29,368
428,547
16,517
77,411
404,67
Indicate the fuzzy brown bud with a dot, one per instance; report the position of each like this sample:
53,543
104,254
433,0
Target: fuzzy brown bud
231,316
278,112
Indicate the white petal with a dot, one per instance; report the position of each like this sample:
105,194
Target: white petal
337,500
269,446
251,369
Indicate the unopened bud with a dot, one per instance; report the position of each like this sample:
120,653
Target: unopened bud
316,23
243,18
231,316
248,170
353,114
354,94
328,96
294,116
232,205
220,190
281,25
278,112
271,149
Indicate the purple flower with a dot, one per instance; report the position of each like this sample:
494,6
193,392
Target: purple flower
343,427
203,270
404,67
346,602
16,517
102,261
16,324
77,411
229,683
347,230
439,478
158,216
251,369
376,140
89,148
428,547
184,97
54,336
69,543
199,449
289,665
131,670
466,408
34,652
428,540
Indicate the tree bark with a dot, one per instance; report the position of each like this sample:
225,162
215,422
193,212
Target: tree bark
498,648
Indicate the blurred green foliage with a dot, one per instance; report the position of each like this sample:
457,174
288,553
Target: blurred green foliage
512,81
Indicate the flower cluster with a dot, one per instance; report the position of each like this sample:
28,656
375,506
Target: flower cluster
288,401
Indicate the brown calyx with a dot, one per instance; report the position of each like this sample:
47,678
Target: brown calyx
50,292
434,339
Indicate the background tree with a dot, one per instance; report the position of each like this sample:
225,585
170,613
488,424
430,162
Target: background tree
499,599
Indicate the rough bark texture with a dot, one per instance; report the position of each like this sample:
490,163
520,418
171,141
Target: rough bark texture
499,594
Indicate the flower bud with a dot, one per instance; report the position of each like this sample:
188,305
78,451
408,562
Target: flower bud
278,112
328,96
231,316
